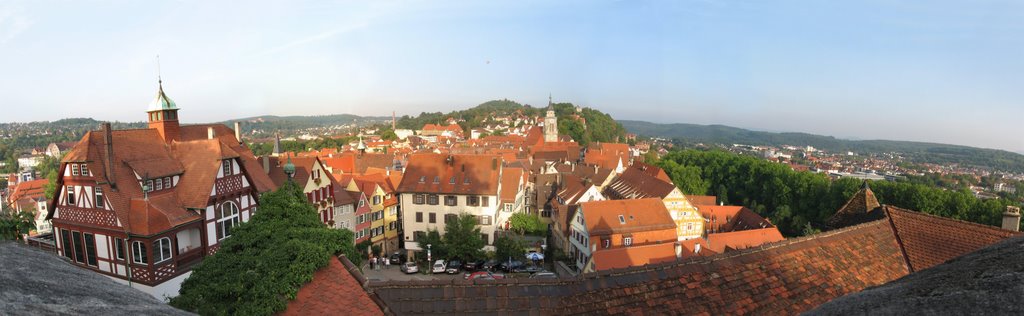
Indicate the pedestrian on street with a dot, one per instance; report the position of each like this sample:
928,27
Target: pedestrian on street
387,264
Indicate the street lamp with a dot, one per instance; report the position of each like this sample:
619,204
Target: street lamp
429,267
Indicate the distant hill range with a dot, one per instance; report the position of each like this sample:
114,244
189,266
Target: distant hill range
266,125
914,151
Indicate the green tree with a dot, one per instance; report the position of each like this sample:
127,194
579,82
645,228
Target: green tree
388,134
508,247
462,238
437,246
523,223
14,226
266,260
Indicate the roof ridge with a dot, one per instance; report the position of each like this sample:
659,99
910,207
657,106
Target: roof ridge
958,221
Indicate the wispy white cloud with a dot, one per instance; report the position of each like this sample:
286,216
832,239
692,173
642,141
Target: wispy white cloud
314,38
12,23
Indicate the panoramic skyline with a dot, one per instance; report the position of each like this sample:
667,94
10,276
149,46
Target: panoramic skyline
940,71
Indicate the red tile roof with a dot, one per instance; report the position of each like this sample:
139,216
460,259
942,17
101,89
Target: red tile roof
731,218
602,217
333,291
861,208
28,190
929,240
197,157
510,179
636,182
433,173
702,199
634,256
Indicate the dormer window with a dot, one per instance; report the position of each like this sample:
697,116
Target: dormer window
423,179
452,180
85,171
74,170
437,179
465,180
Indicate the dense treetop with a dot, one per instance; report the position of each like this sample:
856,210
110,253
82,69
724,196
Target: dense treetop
266,260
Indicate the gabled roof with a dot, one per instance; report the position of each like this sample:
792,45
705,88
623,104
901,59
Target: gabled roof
636,182
34,190
195,156
702,199
510,180
731,218
473,174
603,217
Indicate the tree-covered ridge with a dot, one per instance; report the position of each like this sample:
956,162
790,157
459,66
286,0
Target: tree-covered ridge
267,125
266,260
793,199
599,127
920,152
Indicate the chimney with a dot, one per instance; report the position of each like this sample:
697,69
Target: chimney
679,250
266,164
209,133
1011,218
108,137
238,132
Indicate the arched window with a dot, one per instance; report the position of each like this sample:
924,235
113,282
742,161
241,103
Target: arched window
227,219
162,250
139,252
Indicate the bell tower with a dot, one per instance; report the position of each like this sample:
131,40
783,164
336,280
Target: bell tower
550,124
163,115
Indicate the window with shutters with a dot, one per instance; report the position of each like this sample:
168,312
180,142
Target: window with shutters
433,218
432,199
485,201
448,218
450,200
418,199
419,217
473,200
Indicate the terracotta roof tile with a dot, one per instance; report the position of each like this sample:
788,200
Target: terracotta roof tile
861,208
434,173
929,240
602,217
635,182
333,291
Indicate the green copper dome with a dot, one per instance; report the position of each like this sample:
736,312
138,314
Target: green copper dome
161,102
289,168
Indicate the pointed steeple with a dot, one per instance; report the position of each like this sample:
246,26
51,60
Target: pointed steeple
277,145
862,207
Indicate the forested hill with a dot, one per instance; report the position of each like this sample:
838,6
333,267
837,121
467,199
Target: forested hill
914,151
584,126
266,125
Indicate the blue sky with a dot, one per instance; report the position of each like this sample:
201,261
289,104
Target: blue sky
940,71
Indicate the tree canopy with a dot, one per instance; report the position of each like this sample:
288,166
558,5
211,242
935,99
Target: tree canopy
462,239
527,224
792,199
263,264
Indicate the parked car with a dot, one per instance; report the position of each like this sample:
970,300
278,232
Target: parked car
453,267
396,258
483,275
514,266
489,265
544,275
410,267
474,265
438,267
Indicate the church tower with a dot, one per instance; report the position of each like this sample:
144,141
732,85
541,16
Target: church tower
550,123
163,116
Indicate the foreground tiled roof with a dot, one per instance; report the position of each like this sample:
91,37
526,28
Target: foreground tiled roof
929,240
986,282
787,277
781,278
28,190
333,291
